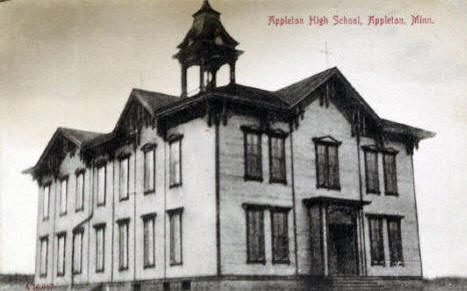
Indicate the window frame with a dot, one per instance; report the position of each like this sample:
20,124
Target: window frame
97,228
146,218
327,142
79,231
172,213
61,273
282,161
45,216
43,239
374,261
149,147
123,264
122,196
393,242
369,190
259,159
175,139
262,246
82,173
61,211
392,154
283,211
99,166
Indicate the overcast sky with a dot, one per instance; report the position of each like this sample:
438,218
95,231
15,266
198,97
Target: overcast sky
74,63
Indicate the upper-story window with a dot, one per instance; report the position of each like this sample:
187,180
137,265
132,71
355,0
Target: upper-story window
175,161
253,154
395,241
149,222
44,256
277,159
376,240
327,162
101,184
390,174
100,242
149,168
78,250
371,171
123,243
61,245
175,216
79,203
124,178
63,195
46,202
280,235
255,234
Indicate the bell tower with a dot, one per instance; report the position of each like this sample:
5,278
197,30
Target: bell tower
207,45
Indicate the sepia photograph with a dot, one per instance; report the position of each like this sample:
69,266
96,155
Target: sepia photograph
233,145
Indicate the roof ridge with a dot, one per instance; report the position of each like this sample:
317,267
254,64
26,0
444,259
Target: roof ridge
308,78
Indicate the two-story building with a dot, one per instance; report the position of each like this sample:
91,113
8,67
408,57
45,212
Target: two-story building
234,188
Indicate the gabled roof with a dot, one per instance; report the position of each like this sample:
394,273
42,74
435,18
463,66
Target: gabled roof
75,136
252,95
153,101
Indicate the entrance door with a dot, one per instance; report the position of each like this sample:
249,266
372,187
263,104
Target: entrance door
342,243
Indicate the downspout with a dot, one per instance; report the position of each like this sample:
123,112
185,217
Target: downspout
362,216
416,215
134,208
294,204
91,209
218,230
112,228
53,229
165,209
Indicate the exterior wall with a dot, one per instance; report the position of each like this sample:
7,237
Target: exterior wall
197,189
234,191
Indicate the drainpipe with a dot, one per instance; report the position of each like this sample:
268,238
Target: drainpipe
134,208
53,229
165,208
294,210
362,216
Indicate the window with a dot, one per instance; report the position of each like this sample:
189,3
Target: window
253,155
280,235
123,244
277,159
371,171
44,255
395,241
175,236
376,240
61,245
100,241
149,240
327,163
79,191
101,185
77,250
255,234
45,202
63,195
124,178
175,162
149,170
390,175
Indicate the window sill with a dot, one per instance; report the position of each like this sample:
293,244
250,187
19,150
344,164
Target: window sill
149,192
376,264
61,275
124,198
278,181
62,214
101,205
395,194
79,210
149,266
43,276
176,264
121,269
45,218
76,272
373,192
397,264
335,188
251,178
283,262
175,185
262,262
100,271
